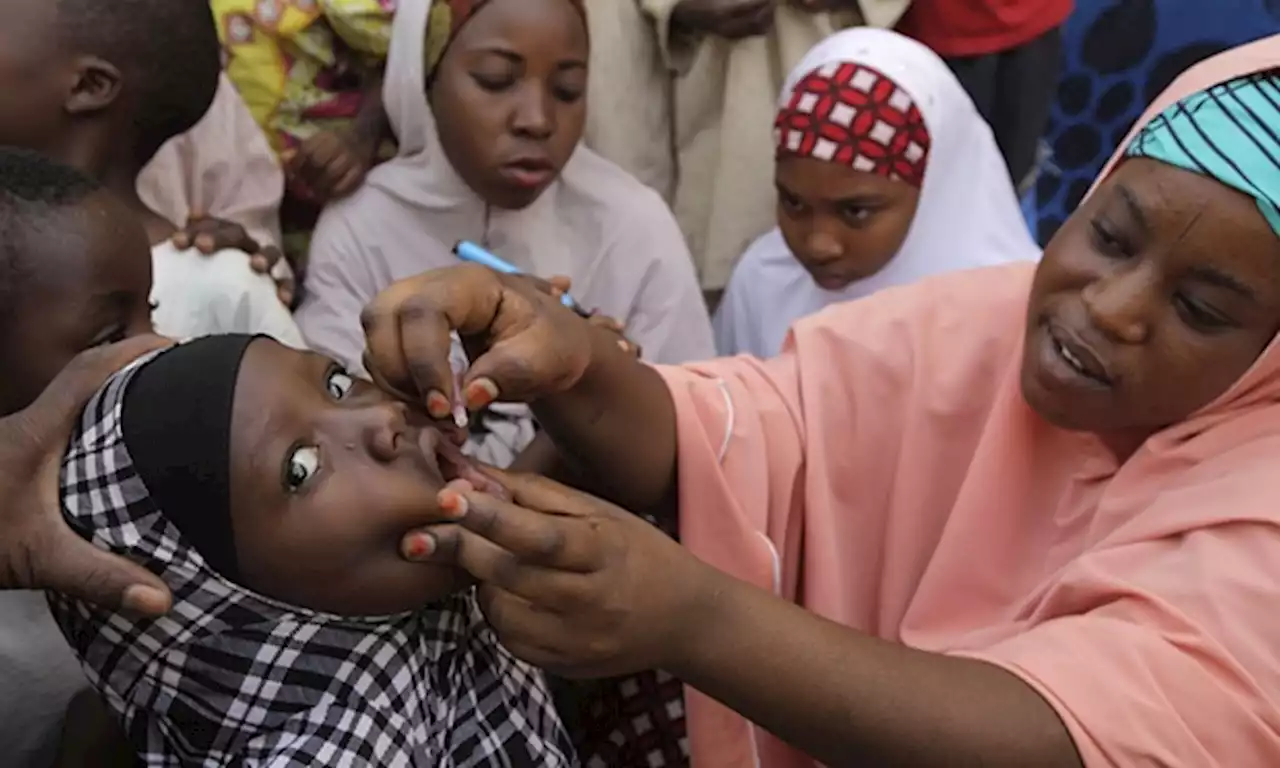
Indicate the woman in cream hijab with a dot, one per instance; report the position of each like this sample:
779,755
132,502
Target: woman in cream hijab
502,167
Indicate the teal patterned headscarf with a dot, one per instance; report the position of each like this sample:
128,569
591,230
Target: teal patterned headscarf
1229,132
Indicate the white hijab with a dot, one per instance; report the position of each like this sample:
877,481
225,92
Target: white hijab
613,236
968,215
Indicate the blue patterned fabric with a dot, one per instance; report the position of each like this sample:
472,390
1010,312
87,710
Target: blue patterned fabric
1118,56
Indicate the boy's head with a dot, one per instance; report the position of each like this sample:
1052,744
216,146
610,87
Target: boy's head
288,475
98,83
75,272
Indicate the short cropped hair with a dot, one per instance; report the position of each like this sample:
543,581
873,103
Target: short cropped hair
34,192
167,52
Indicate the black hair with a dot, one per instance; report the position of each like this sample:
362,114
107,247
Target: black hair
167,52
34,192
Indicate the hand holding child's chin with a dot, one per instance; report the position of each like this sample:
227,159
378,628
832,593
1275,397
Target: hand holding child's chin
569,582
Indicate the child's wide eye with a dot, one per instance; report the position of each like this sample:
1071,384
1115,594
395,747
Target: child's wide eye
339,383
300,466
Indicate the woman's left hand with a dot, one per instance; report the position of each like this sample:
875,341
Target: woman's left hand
569,582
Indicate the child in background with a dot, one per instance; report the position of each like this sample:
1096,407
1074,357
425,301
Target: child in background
74,274
487,98
311,73
682,95
102,87
885,174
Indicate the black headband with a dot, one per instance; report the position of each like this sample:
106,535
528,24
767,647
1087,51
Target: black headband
176,420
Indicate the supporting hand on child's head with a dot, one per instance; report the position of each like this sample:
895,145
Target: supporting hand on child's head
37,548
569,582
523,343
210,235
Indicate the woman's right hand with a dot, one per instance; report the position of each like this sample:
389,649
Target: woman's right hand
523,344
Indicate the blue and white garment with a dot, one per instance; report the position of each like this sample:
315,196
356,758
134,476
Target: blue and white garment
1229,132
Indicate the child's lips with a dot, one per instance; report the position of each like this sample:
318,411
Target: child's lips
456,465
429,443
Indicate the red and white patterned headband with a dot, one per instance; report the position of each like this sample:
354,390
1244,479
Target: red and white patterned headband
854,115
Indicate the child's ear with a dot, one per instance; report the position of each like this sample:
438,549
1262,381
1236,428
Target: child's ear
97,86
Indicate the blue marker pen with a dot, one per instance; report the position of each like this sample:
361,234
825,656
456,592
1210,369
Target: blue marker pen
469,251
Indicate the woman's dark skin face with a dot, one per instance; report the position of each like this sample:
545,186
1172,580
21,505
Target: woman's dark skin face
89,285
842,225
509,97
327,476
1153,299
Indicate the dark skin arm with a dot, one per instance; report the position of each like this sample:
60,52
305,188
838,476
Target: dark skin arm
849,699
585,589
618,424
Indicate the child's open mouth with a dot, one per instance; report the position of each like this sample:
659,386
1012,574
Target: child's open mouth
455,465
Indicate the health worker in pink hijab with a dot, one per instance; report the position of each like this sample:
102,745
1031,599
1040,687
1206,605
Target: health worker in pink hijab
1016,516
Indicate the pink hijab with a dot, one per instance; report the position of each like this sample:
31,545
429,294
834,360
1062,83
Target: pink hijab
885,472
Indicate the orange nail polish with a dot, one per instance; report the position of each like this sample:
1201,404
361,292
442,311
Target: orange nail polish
438,406
453,503
481,393
418,547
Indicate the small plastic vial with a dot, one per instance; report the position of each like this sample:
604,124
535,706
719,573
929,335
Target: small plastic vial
459,364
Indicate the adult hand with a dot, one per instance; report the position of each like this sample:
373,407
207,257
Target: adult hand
522,343
330,164
561,284
571,583
730,19
37,548
209,235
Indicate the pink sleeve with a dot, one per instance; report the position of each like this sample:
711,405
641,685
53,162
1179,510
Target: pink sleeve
223,167
741,456
1162,652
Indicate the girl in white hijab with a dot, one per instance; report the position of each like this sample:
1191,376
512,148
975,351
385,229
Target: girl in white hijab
488,108
886,173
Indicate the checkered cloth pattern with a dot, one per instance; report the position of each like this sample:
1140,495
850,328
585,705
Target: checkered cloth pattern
854,115
229,677
632,722
637,721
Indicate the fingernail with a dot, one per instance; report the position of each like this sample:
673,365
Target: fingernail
205,243
438,405
480,393
453,503
259,263
181,241
144,600
419,547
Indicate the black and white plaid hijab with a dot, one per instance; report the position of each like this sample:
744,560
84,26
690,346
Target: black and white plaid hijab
229,677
